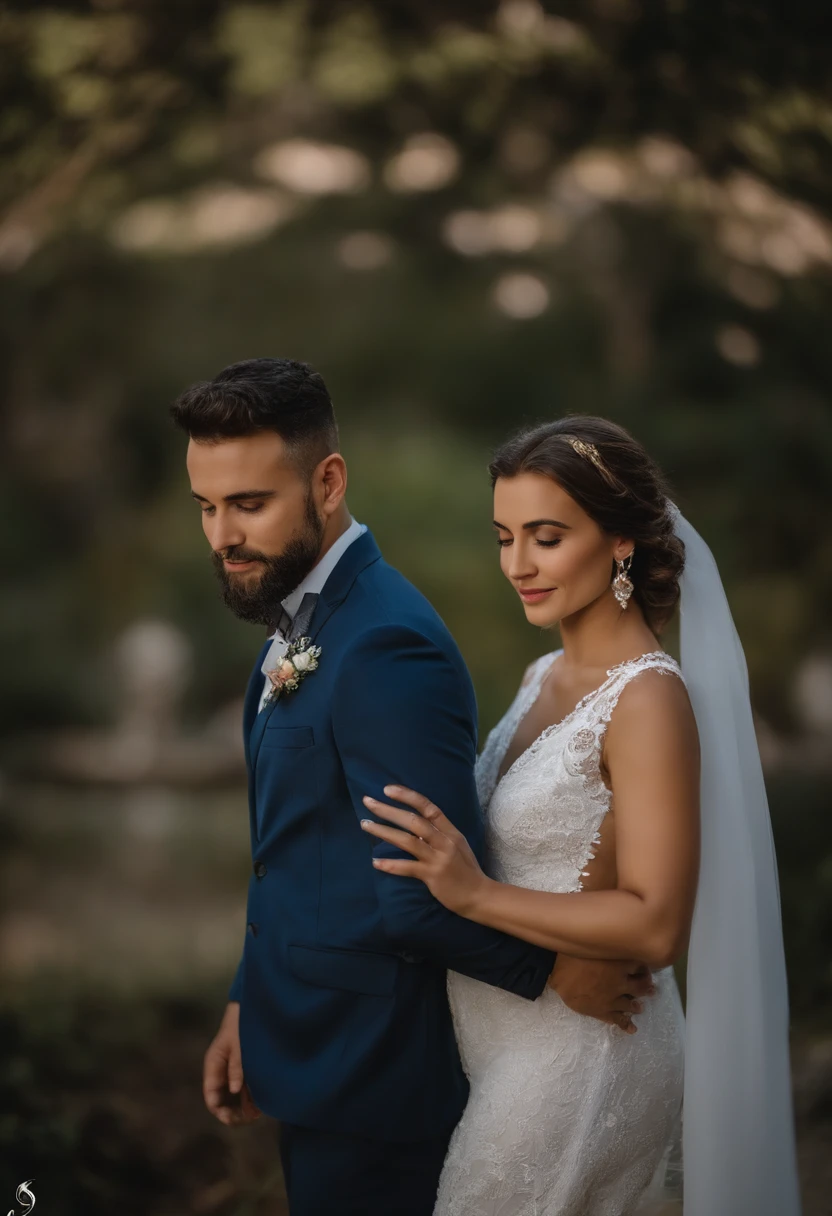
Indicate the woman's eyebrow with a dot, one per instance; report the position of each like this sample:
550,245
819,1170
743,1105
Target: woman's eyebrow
537,523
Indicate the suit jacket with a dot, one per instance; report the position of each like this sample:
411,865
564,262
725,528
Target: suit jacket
344,1019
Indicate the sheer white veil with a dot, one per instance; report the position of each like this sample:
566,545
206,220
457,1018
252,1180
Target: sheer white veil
738,1132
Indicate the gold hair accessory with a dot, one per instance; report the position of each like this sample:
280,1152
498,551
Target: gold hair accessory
587,449
590,452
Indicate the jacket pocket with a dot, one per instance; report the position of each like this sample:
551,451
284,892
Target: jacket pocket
355,970
288,736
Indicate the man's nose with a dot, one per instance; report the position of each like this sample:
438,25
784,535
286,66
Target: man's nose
225,534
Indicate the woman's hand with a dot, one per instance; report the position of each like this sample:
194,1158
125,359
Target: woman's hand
443,859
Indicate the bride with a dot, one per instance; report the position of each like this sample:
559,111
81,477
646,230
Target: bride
626,817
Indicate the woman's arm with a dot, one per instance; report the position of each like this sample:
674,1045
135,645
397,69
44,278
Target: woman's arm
402,706
652,754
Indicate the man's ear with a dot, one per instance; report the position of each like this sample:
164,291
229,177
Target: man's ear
330,477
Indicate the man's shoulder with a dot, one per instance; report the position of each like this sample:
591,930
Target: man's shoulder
387,597
390,614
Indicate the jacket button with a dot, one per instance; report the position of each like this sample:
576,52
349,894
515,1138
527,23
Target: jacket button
252,928
259,868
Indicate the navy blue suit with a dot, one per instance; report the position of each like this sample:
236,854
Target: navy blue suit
344,1020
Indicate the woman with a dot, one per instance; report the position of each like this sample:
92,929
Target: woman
591,784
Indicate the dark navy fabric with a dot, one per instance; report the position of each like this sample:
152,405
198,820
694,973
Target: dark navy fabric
344,1019
335,1174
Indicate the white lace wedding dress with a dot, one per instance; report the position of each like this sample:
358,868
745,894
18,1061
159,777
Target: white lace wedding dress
567,1116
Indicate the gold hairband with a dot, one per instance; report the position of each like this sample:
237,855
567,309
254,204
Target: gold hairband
590,451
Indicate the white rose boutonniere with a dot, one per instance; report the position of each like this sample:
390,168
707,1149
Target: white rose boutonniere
300,659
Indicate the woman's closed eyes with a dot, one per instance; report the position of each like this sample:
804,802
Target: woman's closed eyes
546,544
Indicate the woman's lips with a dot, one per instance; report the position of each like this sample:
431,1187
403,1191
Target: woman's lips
535,595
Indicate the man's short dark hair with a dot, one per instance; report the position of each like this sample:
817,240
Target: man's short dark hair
280,395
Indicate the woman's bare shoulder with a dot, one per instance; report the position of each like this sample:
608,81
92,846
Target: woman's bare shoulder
655,701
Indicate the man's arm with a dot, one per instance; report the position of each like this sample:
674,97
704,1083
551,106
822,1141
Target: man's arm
403,714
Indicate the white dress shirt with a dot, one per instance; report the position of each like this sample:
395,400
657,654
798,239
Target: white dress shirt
314,582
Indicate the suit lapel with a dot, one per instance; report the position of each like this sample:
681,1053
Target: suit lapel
253,694
360,554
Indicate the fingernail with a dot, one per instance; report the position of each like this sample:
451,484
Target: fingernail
390,790
367,798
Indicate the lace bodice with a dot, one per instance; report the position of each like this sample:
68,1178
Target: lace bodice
543,818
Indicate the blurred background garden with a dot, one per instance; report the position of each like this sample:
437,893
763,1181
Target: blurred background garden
467,217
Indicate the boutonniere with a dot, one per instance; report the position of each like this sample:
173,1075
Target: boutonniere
300,658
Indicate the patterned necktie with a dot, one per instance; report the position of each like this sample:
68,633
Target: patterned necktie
283,624
303,617
290,628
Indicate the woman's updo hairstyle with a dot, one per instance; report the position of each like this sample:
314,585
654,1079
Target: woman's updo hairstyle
624,492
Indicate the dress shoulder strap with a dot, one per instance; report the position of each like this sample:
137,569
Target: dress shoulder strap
539,672
621,675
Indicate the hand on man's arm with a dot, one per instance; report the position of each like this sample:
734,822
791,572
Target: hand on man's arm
404,713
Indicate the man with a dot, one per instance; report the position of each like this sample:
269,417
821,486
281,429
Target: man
337,1023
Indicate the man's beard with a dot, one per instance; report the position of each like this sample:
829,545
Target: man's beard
258,600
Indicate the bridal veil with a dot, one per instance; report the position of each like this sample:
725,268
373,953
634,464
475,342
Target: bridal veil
738,1143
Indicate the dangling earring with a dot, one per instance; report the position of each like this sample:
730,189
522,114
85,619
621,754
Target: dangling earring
622,584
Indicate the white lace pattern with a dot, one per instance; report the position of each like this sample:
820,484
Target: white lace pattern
567,1116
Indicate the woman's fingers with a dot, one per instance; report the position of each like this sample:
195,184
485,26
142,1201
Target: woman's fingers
411,820
402,840
424,806
419,826
392,865
410,798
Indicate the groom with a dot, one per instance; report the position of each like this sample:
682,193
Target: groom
337,1023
